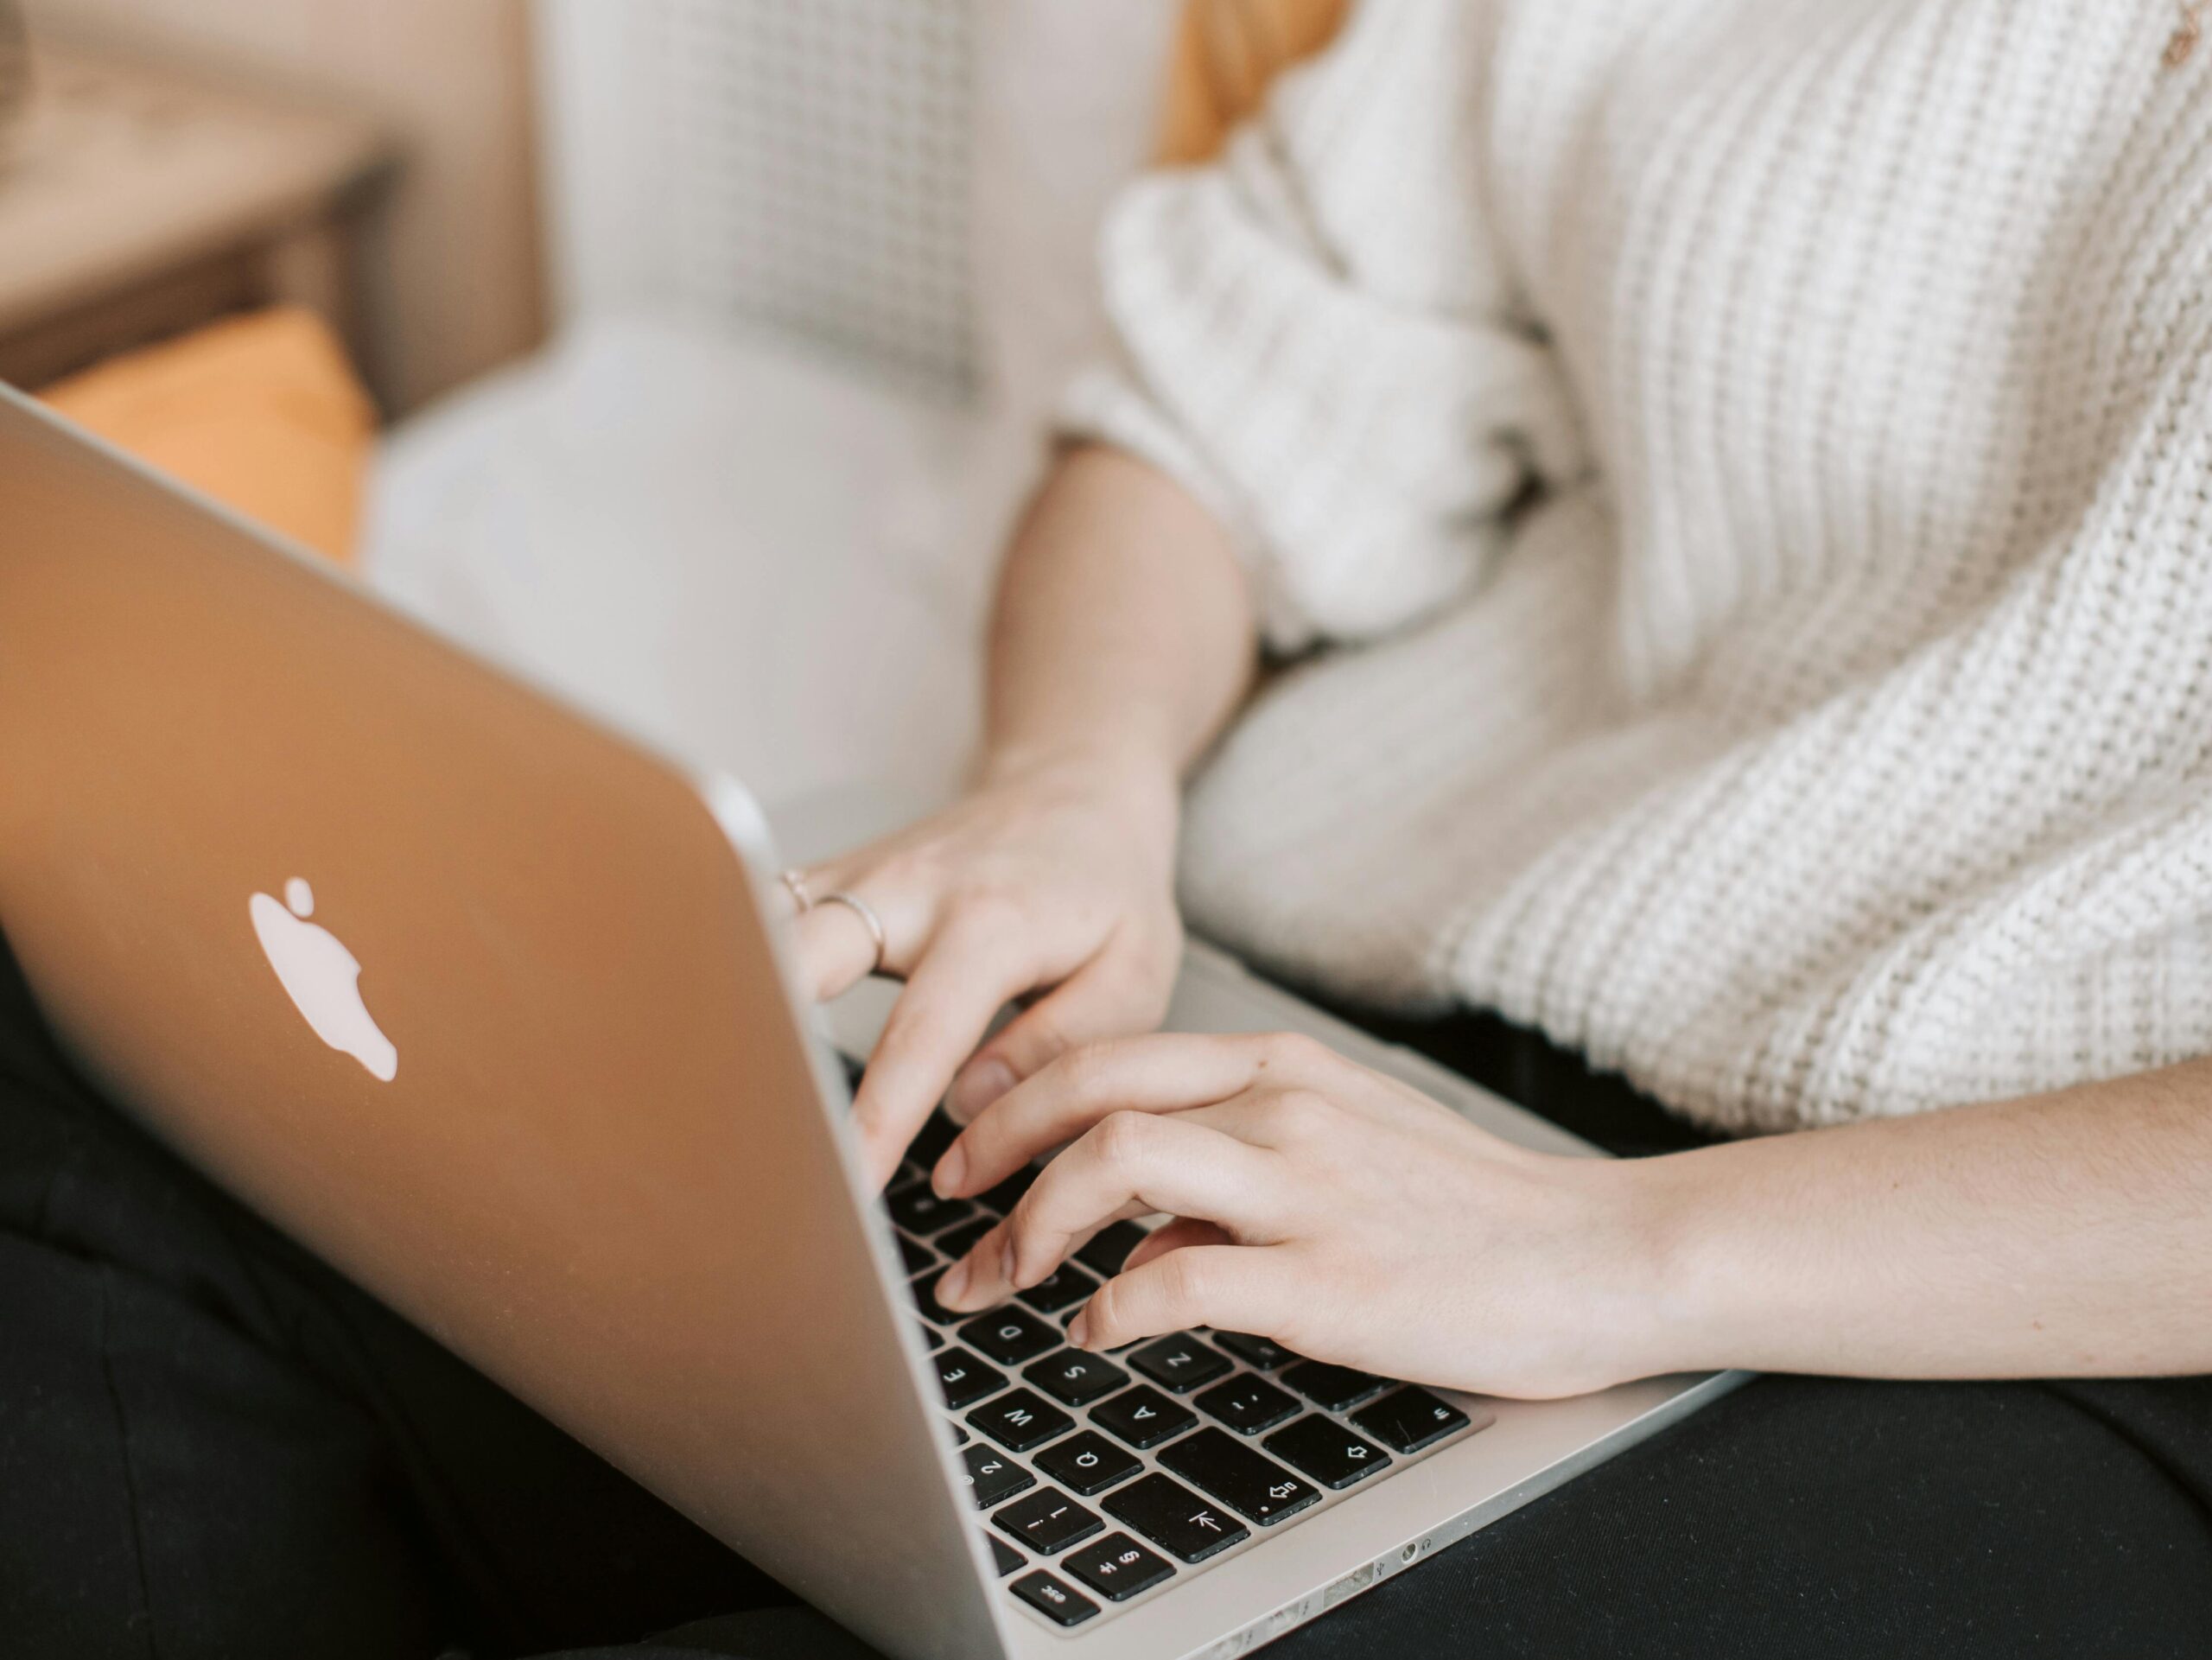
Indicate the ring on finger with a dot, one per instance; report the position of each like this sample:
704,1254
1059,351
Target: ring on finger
861,908
794,881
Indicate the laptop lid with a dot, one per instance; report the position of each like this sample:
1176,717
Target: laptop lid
476,999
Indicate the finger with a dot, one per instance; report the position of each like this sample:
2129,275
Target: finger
1131,1163
1182,1232
963,978
837,949
1233,1288
1166,1071
1119,992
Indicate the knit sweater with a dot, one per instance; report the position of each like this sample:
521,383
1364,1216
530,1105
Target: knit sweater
1744,471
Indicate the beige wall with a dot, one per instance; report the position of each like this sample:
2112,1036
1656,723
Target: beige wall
452,78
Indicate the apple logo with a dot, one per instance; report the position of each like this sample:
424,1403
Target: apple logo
322,978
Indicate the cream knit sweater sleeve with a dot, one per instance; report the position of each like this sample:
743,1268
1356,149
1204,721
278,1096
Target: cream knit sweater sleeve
1827,731
1329,291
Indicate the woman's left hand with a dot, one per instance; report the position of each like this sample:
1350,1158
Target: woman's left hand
1340,1212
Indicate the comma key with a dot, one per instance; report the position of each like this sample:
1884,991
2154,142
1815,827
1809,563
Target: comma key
1176,1519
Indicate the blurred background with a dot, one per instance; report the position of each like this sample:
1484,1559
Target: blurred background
689,355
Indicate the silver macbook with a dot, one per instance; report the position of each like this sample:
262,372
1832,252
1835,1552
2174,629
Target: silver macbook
486,1003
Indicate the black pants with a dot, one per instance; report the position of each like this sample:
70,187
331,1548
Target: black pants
213,1448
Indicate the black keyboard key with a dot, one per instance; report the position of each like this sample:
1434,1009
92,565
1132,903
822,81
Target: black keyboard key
1004,1556
1333,1389
1262,1351
936,1134
1075,1377
1052,1599
1020,1420
1176,1519
1409,1419
995,1476
1107,1249
1010,1335
924,1290
1118,1567
959,1432
1144,1417
1181,1363
1248,1404
917,1208
1064,1288
916,1256
1087,1463
1257,1488
931,1336
965,1237
1048,1522
964,1379
1329,1453
1007,1194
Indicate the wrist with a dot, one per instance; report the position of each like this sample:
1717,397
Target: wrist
1677,1208
1133,780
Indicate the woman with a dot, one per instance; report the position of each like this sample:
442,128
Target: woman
1738,470
1743,468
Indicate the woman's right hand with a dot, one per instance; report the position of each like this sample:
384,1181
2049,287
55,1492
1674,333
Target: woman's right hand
1052,876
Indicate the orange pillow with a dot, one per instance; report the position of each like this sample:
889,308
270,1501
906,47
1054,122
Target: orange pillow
262,412
1226,53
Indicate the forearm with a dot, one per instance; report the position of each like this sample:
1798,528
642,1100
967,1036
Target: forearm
1123,632
2065,1233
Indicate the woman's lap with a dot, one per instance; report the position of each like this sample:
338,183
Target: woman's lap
211,1446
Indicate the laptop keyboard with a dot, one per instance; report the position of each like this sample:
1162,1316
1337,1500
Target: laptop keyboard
1106,1479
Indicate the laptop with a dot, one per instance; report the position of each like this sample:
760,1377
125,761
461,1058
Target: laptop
490,1006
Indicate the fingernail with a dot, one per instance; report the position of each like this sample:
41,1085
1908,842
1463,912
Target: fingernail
952,1170
1006,1264
954,1285
1079,1329
979,1083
